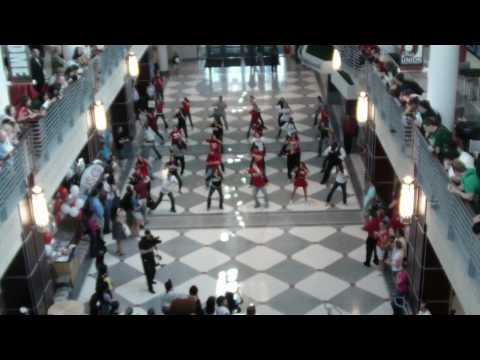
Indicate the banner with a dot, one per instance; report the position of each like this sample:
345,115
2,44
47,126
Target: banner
411,55
19,63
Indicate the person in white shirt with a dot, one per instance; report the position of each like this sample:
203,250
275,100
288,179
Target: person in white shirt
397,258
340,181
222,308
458,154
334,156
169,185
423,310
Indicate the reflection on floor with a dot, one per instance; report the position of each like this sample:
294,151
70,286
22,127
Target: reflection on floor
315,270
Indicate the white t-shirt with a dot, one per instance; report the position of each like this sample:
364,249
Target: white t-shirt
222,310
423,313
397,258
341,178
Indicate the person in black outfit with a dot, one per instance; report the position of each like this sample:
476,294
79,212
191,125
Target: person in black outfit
275,59
334,157
193,292
217,126
182,122
147,246
215,183
36,64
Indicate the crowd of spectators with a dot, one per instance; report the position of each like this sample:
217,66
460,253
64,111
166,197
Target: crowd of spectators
444,144
30,104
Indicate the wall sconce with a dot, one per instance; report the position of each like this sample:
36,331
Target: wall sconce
407,199
39,207
132,65
362,108
99,116
336,60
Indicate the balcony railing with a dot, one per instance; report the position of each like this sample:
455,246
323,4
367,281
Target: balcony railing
13,174
391,112
454,213
46,135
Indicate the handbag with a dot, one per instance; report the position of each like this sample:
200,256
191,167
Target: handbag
127,230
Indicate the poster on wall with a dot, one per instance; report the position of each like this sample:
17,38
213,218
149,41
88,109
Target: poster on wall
411,55
19,63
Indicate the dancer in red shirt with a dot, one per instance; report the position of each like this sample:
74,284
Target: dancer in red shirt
300,180
186,110
256,122
159,105
258,182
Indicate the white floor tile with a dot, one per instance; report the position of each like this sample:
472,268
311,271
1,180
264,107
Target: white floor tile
358,254
323,286
311,205
262,287
136,291
383,310
375,284
267,310
250,207
205,259
260,235
209,236
313,233
327,309
202,208
261,258
317,256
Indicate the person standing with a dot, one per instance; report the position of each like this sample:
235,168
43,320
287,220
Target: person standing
371,227
324,130
215,183
159,106
284,115
334,156
221,108
275,59
149,142
38,73
159,84
340,181
258,152
147,246
350,132
300,180
258,182
256,121
214,160
152,124
186,110
179,146
181,122
293,151
119,233
169,185
172,166
319,109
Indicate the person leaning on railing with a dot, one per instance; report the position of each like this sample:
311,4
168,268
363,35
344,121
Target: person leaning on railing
438,136
469,185
6,149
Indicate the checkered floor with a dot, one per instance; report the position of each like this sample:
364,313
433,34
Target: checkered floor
284,270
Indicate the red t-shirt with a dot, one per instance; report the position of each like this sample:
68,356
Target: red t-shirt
186,106
372,226
255,116
214,160
158,83
159,107
258,180
214,145
257,155
152,121
141,189
294,145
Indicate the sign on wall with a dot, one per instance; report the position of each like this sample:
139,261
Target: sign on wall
19,62
411,55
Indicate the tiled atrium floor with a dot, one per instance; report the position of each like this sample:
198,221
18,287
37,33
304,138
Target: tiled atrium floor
299,258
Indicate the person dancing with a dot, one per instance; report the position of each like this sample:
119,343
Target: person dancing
215,180
300,180
340,181
186,110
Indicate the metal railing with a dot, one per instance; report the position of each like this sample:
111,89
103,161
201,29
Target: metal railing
391,112
13,174
353,63
454,213
45,135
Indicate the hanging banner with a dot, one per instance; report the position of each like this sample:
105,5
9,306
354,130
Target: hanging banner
19,63
411,55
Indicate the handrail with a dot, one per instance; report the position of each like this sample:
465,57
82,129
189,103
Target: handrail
455,214
43,136
13,174
391,112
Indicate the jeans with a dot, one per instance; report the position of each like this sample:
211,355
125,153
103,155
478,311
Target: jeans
172,200
189,116
256,190
371,250
181,159
214,188
344,192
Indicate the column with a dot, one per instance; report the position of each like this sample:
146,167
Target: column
442,81
162,58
